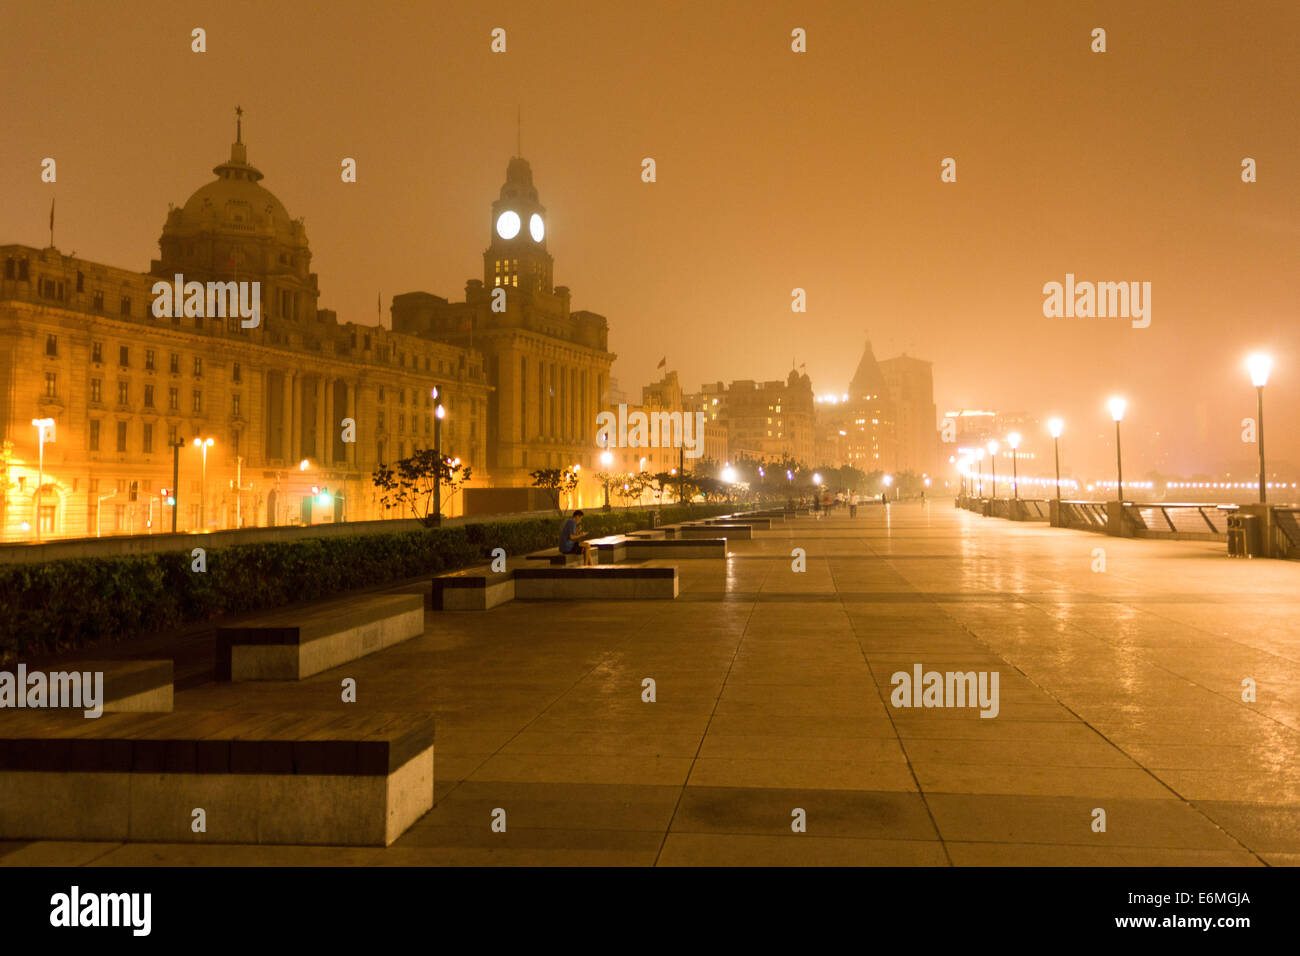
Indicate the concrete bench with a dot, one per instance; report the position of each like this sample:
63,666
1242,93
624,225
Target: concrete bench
759,524
473,589
739,532
357,780
613,582
123,685
291,644
556,557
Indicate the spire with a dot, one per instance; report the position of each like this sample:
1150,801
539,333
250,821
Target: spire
519,130
239,125
868,381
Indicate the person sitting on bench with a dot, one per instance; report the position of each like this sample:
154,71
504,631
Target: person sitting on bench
571,538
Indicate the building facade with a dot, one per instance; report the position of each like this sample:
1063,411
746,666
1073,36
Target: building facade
547,364
129,391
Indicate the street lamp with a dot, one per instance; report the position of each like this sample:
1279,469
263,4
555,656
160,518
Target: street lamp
203,444
993,466
1014,441
439,413
606,459
1259,365
889,482
1056,426
1117,406
979,466
44,432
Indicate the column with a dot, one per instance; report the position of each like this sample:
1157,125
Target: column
289,447
351,448
318,395
331,426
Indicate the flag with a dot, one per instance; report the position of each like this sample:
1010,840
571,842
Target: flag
662,362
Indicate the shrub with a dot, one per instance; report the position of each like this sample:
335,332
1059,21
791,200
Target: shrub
69,604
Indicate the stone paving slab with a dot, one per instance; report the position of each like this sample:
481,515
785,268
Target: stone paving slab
1118,691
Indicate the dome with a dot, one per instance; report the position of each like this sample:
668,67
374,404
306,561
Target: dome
236,204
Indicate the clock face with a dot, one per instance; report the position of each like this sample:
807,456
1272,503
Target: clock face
508,224
536,227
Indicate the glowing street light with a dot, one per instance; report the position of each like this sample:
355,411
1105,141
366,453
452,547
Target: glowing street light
203,444
44,432
1055,426
1259,365
1117,406
1014,441
606,460
439,413
993,465
979,466
817,479
729,475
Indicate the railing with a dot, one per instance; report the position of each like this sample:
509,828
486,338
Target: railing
1286,532
1186,522
1084,515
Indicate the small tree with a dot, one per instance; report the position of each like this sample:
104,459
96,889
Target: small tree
410,482
555,482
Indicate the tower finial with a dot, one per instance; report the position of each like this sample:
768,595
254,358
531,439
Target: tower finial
239,124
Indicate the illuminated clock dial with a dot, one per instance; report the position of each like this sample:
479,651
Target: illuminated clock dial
536,227
508,224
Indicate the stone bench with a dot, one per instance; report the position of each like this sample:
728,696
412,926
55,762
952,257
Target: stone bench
556,557
739,532
473,589
130,686
607,581
356,780
291,644
760,524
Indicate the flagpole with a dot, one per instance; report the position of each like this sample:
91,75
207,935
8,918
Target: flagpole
51,222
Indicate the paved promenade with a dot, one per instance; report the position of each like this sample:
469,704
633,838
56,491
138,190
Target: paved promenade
1120,690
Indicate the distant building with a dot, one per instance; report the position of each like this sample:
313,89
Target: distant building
909,388
763,420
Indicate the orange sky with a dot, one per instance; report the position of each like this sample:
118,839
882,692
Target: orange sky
775,170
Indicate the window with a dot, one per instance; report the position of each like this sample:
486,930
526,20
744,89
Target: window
381,424
51,385
97,352
198,401
123,392
47,519
95,395
234,373
94,435
99,302
148,360
171,435
381,393
401,396
81,282
124,357
174,364
401,423
121,436
234,405
198,367
173,399
126,305
148,396
147,440
381,451
52,345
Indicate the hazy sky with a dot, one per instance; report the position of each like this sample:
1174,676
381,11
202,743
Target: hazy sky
775,170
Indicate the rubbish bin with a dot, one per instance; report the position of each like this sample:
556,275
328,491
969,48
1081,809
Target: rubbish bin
1244,536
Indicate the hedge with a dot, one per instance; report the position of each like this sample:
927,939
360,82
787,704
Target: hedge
64,605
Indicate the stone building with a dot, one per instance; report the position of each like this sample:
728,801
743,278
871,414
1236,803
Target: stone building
546,363
80,344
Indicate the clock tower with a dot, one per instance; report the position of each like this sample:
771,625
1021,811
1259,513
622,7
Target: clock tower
517,257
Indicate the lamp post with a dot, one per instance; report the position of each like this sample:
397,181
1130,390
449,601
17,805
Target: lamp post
99,509
1014,441
439,413
979,470
889,483
176,445
993,466
1259,366
44,428
1056,426
1117,406
606,459
203,444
